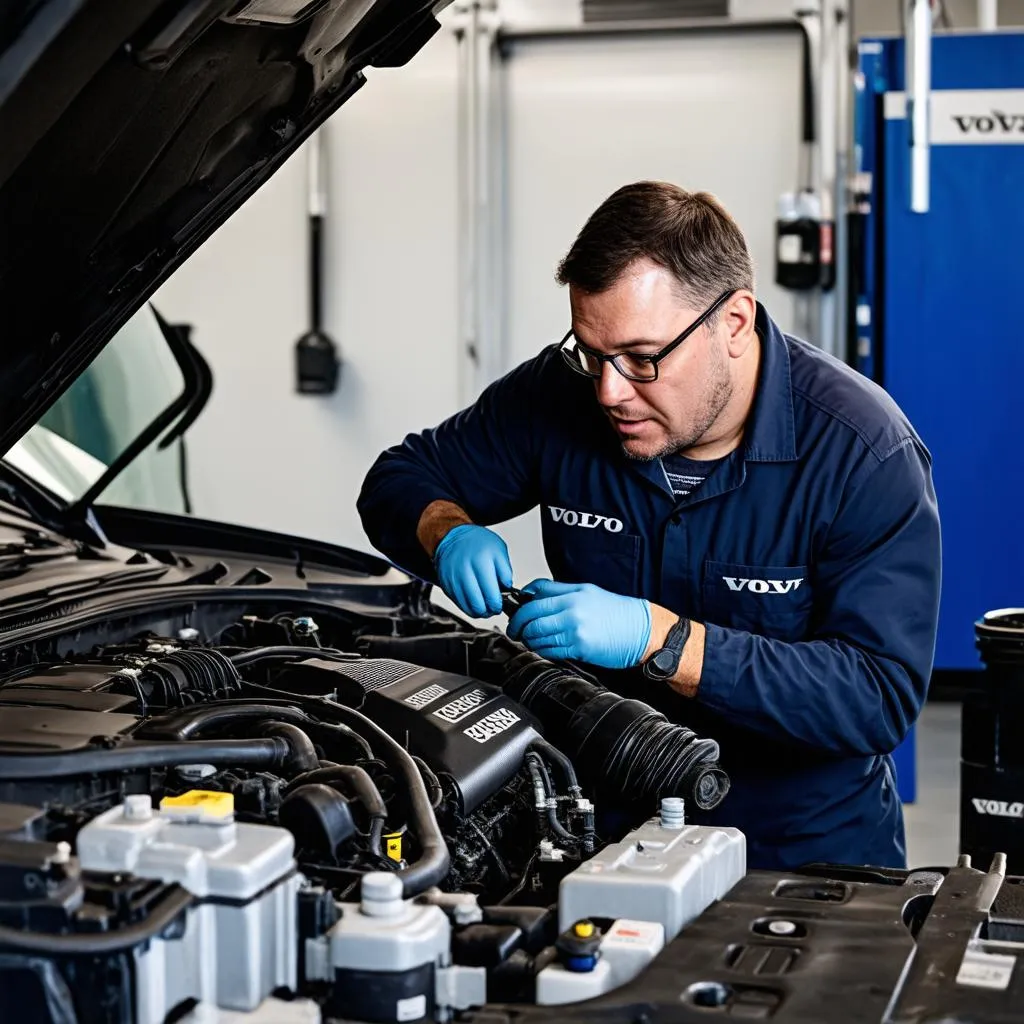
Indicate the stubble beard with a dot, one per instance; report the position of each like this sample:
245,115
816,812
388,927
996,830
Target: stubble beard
717,393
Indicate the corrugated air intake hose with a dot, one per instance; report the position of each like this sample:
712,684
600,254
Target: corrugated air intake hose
626,747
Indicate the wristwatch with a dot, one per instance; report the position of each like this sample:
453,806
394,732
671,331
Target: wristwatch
664,662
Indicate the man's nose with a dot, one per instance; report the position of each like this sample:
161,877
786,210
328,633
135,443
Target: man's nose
612,388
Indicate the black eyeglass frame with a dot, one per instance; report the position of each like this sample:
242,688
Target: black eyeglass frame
654,358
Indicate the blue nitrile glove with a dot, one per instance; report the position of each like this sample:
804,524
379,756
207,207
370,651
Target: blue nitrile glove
581,622
472,564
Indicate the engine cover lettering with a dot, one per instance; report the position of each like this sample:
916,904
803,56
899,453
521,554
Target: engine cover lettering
461,727
421,698
458,709
492,725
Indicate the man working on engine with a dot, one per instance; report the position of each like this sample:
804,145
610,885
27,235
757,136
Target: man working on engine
727,512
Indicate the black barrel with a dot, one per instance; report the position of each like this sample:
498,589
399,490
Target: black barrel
992,745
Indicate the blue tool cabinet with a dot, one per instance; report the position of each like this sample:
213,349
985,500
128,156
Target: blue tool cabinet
938,307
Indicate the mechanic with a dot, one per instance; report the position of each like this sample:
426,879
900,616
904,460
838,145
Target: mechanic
726,511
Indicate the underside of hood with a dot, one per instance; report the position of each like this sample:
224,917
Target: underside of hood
129,131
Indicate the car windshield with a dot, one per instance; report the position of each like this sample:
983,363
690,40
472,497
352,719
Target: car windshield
126,386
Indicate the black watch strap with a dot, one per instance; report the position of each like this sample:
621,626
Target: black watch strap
664,662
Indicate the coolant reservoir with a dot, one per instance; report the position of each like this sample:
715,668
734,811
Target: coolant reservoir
668,875
239,944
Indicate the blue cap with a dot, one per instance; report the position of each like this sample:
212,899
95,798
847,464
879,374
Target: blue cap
580,964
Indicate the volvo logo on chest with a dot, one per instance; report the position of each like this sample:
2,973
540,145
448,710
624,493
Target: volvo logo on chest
585,520
737,584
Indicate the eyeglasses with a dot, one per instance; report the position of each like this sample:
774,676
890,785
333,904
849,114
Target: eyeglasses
632,366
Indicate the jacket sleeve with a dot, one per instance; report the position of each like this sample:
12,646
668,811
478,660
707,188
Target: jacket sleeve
483,459
858,685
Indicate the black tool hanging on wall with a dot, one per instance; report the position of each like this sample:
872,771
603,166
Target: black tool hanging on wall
317,362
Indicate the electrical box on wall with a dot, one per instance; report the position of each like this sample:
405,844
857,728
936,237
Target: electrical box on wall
804,251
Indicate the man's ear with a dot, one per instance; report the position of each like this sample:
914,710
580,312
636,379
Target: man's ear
737,318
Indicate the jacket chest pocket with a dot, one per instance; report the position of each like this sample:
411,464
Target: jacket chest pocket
599,556
771,600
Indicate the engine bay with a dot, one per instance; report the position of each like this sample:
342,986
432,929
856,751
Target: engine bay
222,813
282,811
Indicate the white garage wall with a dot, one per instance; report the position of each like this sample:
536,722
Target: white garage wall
262,454
586,115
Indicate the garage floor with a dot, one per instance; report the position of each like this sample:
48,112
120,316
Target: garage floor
933,821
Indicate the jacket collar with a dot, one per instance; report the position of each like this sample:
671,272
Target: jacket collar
771,429
771,433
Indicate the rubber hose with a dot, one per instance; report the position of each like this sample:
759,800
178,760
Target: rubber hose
541,808
190,722
567,769
183,725
641,755
652,757
358,778
102,943
376,841
272,751
559,830
545,775
282,698
303,757
432,781
258,654
351,735
432,866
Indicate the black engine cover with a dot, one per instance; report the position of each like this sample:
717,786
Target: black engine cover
464,728
62,708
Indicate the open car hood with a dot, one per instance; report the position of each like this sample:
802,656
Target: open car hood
131,131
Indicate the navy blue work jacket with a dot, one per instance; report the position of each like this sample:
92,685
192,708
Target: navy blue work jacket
811,553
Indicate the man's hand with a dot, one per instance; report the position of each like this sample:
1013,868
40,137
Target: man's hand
472,564
581,622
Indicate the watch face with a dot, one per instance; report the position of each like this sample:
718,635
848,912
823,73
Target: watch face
662,665
664,662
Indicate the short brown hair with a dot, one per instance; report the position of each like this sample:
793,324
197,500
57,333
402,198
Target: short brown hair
690,234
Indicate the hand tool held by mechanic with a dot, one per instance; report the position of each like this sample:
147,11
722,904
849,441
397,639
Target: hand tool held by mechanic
512,599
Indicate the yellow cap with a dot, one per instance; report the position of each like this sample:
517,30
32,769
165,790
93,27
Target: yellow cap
583,929
207,803
394,846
